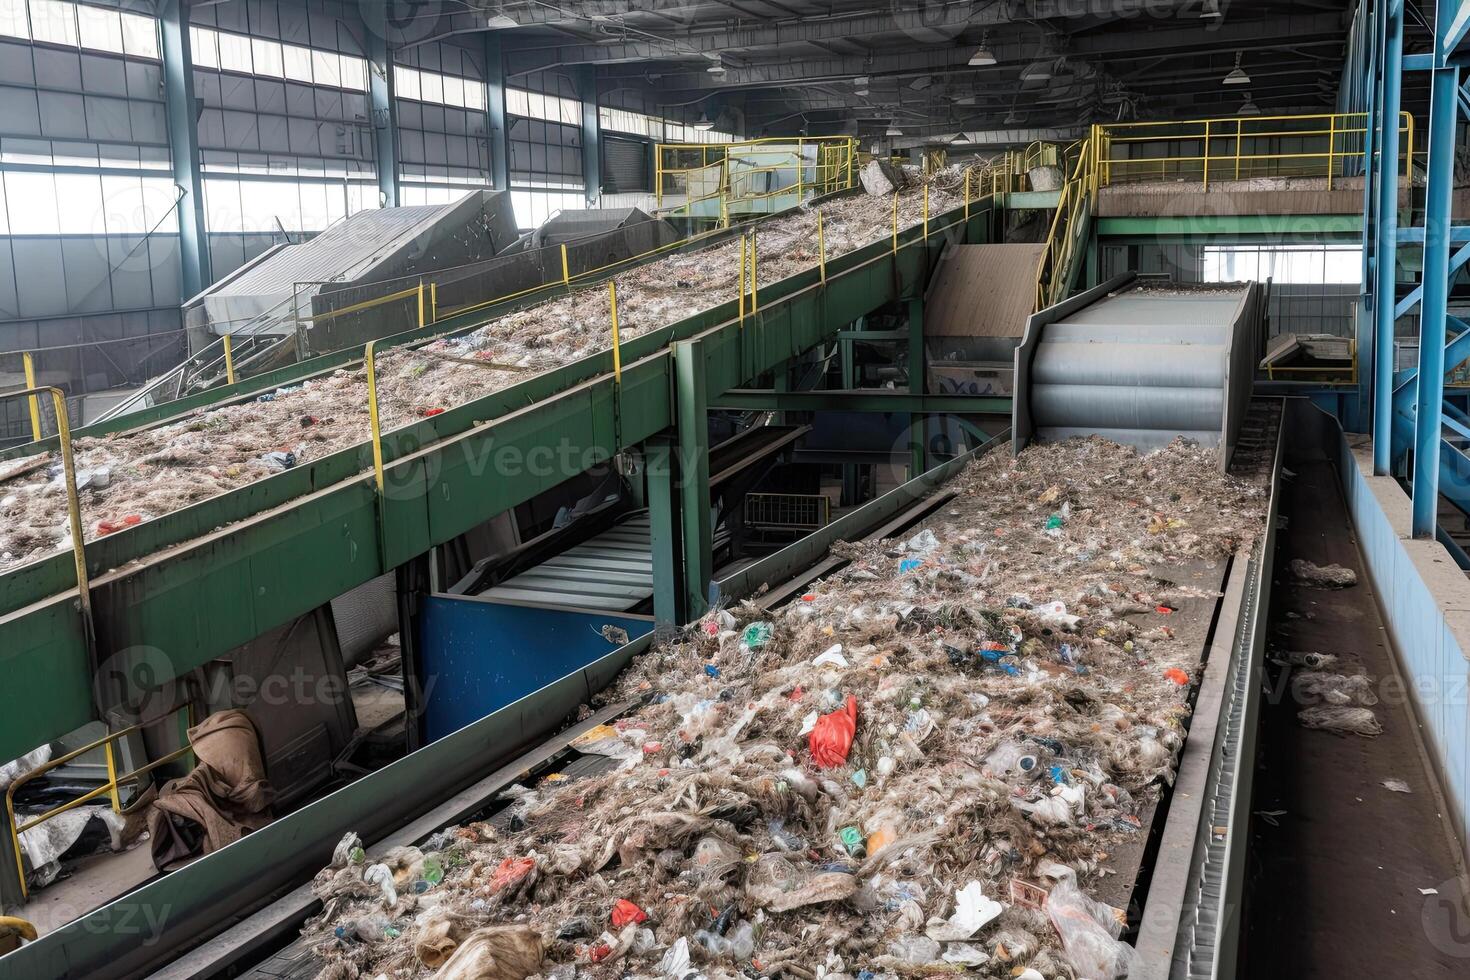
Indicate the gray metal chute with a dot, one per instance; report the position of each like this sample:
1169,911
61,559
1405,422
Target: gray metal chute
1140,364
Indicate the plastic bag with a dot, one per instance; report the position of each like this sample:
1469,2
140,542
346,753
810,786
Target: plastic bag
1340,720
831,738
1333,689
1089,933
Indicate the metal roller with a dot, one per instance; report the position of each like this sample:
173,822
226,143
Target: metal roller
1140,365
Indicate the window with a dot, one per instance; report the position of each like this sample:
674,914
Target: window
267,56
256,206
99,29
224,51
1286,264
13,21
140,36
428,86
54,21
87,204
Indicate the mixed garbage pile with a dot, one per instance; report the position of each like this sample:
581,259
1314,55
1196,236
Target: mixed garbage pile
923,766
135,476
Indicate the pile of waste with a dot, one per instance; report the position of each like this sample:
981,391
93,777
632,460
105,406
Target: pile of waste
922,766
135,476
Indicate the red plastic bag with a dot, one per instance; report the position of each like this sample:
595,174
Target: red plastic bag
624,912
510,872
831,739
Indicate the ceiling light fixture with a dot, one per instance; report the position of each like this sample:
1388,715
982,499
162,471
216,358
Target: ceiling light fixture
1237,75
716,69
1013,118
1037,71
959,139
1249,107
983,55
1210,9
500,22
703,123
893,130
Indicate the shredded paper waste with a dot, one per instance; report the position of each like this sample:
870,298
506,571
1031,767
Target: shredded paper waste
901,773
135,476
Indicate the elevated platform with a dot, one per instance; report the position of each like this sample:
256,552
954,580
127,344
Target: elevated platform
1256,196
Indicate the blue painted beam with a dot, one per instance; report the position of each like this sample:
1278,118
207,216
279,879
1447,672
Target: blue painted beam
1385,250
381,103
182,121
1457,262
1369,36
1418,62
497,136
591,132
1414,235
1444,113
1454,32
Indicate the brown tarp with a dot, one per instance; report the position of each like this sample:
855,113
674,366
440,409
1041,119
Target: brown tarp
222,800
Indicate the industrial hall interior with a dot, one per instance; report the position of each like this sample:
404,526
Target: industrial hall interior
734,489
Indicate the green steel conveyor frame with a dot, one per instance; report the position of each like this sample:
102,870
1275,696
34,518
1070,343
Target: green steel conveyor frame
175,592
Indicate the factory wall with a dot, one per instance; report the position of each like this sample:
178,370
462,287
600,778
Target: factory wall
1314,288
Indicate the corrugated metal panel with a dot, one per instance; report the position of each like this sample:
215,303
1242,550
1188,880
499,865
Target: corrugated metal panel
983,291
351,246
624,166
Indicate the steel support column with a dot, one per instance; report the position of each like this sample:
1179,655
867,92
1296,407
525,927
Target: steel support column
692,414
1444,113
497,136
1385,252
917,423
381,102
1372,43
846,349
663,516
586,77
182,119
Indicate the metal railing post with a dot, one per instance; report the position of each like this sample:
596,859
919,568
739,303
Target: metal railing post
369,358
755,283
433,302
895,222
566,272
821,248
741,290
34,402
617,352
926,214
229,343
421,303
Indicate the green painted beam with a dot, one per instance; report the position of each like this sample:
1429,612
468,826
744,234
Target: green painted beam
663,513
918,422
189,587
691,410
860,400
1194,227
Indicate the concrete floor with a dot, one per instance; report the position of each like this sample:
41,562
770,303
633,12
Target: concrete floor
1334,888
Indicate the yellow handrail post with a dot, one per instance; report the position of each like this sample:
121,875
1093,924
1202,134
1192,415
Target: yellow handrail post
1332,148
370,360
741,290
926,214
1238,144
433,302
566,272
800,166
29,363
112,778
895,222
1207,154
755,283
967,193
421,303
821,248
229,358
612,298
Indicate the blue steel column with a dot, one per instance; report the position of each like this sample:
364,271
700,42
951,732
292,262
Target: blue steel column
1386,252
591,132
663,514
380,95
1372,43
497,137
1444,112
182,118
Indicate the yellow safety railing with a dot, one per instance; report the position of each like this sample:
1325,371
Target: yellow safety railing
1205,150
1239,148
109,788
1079,192
726,172
73,501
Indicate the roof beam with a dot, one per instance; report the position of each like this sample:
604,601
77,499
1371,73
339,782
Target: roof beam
1272,33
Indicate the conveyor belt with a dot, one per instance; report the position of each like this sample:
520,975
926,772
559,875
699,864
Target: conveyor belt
1140,365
